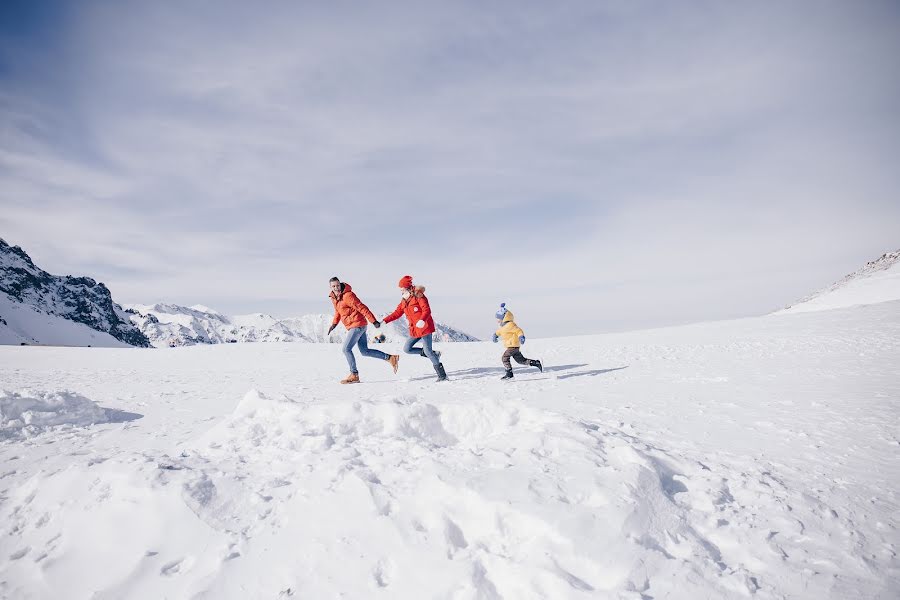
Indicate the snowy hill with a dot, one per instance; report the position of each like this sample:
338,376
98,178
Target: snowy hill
174,325
878,281
39,308
754,458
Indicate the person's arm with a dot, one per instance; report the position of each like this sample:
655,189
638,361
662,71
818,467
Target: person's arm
426,308
521,335
337,315
357,304
515,330
394,315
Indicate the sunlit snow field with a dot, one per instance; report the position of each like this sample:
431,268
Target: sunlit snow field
749,458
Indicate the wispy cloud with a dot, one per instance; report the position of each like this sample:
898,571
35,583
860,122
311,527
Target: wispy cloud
603,165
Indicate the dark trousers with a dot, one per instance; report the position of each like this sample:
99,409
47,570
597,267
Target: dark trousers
516,354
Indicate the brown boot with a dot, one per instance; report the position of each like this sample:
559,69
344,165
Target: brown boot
351,378
394,360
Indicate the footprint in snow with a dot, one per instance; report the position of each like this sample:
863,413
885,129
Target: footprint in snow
455,538
383,572
176,566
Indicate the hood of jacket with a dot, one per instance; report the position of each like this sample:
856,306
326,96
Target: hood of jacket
418,292
346,288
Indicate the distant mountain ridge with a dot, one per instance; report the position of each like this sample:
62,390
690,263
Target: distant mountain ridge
169,325
39,308
878,281
174,325
34,301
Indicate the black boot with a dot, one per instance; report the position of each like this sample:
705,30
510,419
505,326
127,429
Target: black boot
436,353
441,373
536,363
508,374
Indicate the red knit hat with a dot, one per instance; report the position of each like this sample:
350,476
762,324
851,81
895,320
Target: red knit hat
406,281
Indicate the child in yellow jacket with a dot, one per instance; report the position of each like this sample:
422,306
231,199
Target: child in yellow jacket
513,338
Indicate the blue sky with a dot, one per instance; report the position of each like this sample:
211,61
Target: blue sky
597,165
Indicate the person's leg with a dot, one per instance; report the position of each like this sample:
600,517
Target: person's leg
520,358
429,352
364,349
349,342
410,346
436,353
506,356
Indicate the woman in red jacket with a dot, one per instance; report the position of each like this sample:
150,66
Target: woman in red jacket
355,315
415,306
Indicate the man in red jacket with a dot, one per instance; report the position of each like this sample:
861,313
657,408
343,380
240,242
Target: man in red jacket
415,306
354,314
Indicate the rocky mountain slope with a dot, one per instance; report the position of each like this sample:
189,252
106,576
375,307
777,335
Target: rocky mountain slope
33,300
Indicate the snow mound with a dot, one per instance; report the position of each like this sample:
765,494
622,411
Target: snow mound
519,499
28,413
878,281
259,421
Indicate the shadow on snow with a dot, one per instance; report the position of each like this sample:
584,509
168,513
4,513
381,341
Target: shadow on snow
591,373
482,372
114,415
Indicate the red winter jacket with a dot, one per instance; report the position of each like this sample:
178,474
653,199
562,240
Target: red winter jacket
416,309
349,309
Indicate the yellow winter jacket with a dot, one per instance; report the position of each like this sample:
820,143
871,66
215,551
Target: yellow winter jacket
509,332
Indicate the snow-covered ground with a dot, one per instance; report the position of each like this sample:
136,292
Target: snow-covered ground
750,458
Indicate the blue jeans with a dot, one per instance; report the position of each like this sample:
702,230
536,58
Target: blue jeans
357,337
411,348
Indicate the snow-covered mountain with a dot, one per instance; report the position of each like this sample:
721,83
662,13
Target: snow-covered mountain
174,325
22,324
878,281
39,308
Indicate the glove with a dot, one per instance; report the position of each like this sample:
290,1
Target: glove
521,339
496,338
420,324
330,329
377,324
